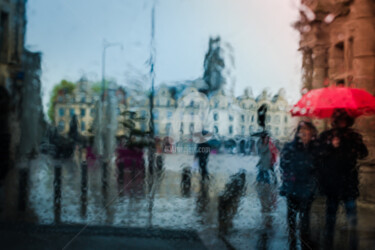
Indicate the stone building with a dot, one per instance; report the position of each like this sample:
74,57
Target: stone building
222,114
338,47
19,87
180,114
82,104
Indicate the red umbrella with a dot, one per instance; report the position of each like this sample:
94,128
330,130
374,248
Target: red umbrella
321,103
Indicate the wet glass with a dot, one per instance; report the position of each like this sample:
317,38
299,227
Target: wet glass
177,124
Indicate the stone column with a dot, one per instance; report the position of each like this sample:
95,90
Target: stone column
364,77
319,75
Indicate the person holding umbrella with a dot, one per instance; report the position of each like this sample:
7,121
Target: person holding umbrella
341,148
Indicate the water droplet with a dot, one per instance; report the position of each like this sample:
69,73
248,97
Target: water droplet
329,18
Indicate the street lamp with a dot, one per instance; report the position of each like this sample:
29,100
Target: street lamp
102,135
106,45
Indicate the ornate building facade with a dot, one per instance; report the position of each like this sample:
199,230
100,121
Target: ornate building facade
338,47
180,114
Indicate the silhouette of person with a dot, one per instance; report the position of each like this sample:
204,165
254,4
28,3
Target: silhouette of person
298,165
341,147
202,153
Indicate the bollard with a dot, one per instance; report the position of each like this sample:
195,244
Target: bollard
186,181
121,173
104,182
151,159
22,188
84,179
57,194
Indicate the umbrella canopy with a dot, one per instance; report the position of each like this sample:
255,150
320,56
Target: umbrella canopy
321,103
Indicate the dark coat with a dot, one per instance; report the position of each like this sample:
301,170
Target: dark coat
338,173
202,151
298,165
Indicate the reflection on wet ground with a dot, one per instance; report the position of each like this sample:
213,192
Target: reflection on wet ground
229,206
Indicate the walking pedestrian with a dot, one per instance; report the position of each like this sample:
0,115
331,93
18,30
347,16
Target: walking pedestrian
341,147
267,153
202,153
298,166
266,184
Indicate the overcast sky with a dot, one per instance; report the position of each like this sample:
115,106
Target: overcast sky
70,35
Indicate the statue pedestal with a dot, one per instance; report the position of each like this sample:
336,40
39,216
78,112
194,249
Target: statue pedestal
367,181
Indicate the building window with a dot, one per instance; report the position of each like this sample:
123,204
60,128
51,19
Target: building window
168,103
191,103
169,114
168,128
339,57
216,117
83,112
216,105
251,129
61,126
243,118
61,111
83,126
350,53
230,129
242,130
92,112
277,119
286,119
181,128
268,119
155,114
268,128
243,105
191,128
216,130
71,111
156,128
252,118
230,118
277,132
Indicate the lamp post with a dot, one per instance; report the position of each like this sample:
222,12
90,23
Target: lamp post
106,45
152,76
103,134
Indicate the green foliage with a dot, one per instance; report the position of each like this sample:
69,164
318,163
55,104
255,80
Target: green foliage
65,86
97,87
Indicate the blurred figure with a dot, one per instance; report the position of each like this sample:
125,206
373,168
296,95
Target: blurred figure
186,180
91,157
267,153
229,200
266,184
341,146
201,153
298,164
130,165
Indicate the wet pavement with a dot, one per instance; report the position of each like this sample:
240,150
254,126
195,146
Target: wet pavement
228,211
